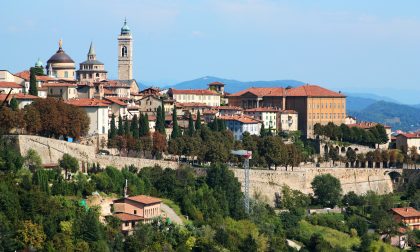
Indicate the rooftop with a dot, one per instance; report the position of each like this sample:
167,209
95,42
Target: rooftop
8,84
260,92
240,118
410,135
406,212
229,108
86,102
312,91
115,100
147,200
193,91
58,84
18,96
365,125
128,217
263,109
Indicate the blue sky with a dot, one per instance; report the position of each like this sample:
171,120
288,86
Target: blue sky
357,46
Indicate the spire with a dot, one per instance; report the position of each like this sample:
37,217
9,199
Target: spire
91,54
125,30
60,44
38,63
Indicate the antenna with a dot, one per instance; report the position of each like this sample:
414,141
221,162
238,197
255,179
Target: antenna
125,189
247,156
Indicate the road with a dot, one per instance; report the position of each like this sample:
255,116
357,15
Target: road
171,214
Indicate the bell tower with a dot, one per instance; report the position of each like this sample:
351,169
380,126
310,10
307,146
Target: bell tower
125,53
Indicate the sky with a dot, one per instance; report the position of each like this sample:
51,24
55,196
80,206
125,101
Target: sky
354,46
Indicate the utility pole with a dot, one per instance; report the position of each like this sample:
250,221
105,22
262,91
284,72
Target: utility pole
247,155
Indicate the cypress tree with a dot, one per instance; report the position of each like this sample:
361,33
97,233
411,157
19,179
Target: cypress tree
120,126
142,126
160,120
126,127
262,130
198,121
162,111
14,104
135,127
190,125
146,123
113,130
33,89
175,127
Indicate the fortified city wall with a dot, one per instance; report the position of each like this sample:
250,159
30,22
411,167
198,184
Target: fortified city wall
51,150
268,182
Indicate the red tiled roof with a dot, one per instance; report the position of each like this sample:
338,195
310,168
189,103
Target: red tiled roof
116,101
312,91
240,118
86,102
18,96
26,76
145,199
406,212
193,91
209,112
229,108
410,135
288,111
113,83
262,109
8,84
273,91
128,217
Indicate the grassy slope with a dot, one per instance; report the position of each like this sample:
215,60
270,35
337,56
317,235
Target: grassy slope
176,209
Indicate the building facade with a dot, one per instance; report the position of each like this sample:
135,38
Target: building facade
209,97
64,91
406,141
408,216
287,120
268,117
240,124
125,53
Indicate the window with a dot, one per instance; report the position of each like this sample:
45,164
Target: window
135,211
66,74
97,74
126,223
124,51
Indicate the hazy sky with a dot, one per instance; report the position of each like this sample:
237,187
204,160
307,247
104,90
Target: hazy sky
358,46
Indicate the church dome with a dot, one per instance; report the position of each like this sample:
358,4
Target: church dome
125,30
38,63
60,56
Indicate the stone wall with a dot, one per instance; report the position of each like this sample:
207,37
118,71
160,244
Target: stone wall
267,182
51,150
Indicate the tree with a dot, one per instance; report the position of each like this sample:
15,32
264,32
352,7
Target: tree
135,127
160,121
144,129
32,235
127,131
358,223
120,126
14,104
33,160
176,132
327,190
263,132
67,162
414,155
113,128
351,156
191,127
159,145
334,155
198,121
33,89
32,120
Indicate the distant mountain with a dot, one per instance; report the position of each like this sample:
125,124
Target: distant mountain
233,86
416,106
355,103
372,97
398,116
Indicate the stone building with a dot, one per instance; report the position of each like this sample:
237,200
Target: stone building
91,70
405,141
125,53
60,65
61,90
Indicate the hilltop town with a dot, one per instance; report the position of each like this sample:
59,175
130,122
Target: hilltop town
102,165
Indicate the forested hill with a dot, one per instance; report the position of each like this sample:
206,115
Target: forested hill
398,116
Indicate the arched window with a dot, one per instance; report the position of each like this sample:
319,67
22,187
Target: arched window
124,51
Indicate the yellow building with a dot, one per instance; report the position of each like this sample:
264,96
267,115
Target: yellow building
209,97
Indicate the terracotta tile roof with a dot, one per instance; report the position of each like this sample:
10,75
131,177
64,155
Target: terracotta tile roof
109,92
59,84
229,108
115,100
19,96
312,91
288,111
26,76
128,217
262,109
410,135
113,84
260,92
406,212
8,84
86,102
145,199
216,83
209,112
193,91
240,118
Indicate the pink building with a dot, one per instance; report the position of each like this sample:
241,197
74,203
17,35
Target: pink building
131,210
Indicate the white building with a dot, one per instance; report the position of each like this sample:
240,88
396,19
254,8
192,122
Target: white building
406,141
6,86
268,116
21,98
209,97
98,113
288,120
240,123
65,91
